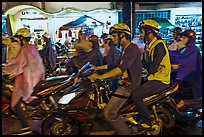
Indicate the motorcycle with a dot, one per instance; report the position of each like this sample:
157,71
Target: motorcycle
46,91
83,114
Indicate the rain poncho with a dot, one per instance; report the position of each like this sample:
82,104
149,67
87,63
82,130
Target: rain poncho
13,50
49,56
190,63
28,69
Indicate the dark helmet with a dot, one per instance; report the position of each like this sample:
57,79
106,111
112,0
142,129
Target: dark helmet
177,30
109,37
190,34
104,35
93,38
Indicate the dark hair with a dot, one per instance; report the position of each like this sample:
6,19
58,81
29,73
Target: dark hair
150,30
177,30
27,39
13,40
104,35
128,37
111,43
95,45
46,39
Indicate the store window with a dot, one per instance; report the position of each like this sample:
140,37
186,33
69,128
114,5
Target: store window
193,22
143,15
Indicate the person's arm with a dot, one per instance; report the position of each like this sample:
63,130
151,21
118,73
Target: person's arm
129,57
112,73
99,67
183,52
15,67
52,57
159,53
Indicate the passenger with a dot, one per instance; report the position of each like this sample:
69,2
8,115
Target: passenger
29,70
101,42
48,54
188,62
13,49
89,53
157,63
38,41
111,54
130,69
177,43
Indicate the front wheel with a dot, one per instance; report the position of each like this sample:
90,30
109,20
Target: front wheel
168,119
59,124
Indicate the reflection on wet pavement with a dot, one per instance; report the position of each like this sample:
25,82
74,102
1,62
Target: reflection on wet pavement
10,125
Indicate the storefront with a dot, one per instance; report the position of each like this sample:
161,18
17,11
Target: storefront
39,21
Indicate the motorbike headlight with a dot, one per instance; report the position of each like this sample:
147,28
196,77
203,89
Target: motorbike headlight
66,98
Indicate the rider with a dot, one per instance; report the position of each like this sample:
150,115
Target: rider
176,44
29,70
157,63
188,62
111,53
90,53
130,69
48,54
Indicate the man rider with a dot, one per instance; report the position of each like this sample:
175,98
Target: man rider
156,61
130,69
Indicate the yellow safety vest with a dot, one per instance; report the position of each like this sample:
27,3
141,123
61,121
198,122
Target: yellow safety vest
164,70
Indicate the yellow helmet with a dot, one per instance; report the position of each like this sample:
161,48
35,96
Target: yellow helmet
23,32
4,37
46,35
151,24
120,27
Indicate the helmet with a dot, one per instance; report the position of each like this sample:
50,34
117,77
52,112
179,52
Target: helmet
120,27
189,33
46,35
4,37
93,38
177,30
109,37
23,32
104,35
151,24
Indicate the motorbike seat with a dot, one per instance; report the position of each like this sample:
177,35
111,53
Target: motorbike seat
173,86
51,81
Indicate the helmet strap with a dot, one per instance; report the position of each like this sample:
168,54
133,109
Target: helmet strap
147,32
119,40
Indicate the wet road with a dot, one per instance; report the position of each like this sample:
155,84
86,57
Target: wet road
10,126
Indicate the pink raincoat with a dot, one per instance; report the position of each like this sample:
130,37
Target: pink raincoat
28,69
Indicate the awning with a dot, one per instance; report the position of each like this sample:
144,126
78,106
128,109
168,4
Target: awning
163,23
79,21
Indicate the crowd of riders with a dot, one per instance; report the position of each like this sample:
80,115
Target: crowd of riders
117,56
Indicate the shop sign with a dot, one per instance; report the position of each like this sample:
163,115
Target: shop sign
30,14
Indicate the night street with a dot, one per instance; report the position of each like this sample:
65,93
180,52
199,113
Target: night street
11,125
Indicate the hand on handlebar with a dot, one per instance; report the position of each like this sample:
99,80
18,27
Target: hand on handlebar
94,67
94,77
174,66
